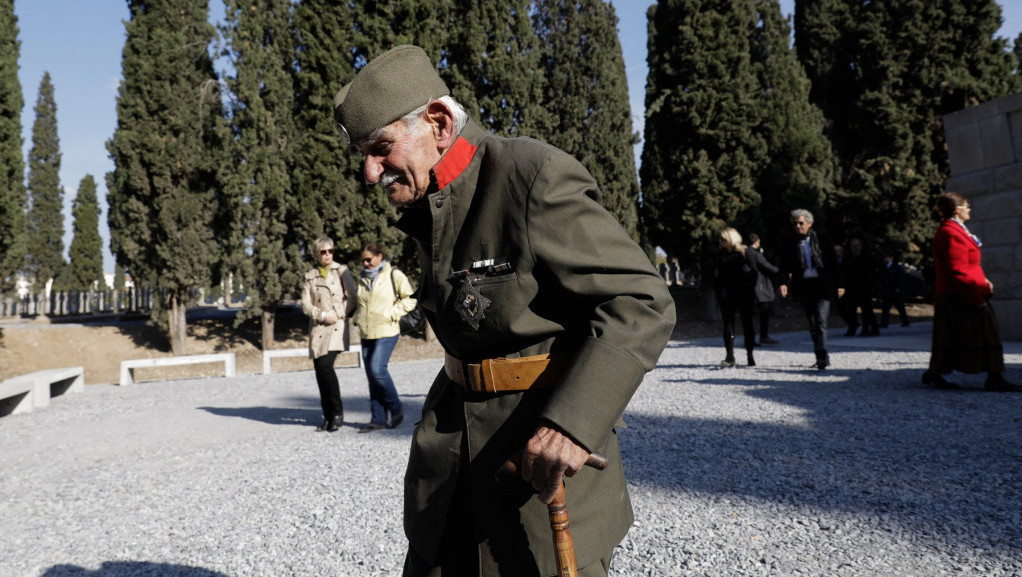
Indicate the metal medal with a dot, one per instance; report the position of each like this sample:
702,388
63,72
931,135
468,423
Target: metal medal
471,304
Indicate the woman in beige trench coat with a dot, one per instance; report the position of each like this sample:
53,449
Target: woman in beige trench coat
328,299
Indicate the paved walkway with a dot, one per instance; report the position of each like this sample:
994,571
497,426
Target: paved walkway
775,470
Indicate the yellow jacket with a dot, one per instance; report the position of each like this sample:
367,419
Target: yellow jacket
378,308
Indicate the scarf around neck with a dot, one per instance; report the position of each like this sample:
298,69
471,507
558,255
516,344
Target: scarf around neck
370,274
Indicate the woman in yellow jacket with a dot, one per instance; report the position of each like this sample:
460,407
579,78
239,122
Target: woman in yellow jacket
384,296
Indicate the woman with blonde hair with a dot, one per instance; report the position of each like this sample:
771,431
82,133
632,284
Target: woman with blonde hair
328,299
734,284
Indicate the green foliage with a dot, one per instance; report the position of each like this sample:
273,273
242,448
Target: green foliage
702,148
586,98
258,34
46,196
885,73
12,165
799,168
119,281
493,67
86,252
331,39
166,150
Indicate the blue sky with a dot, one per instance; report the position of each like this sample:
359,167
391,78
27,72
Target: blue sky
80,44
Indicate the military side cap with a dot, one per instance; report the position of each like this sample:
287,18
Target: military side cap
390,86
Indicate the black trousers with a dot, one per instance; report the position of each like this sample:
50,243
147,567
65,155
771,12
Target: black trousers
816,304
329,388
746,309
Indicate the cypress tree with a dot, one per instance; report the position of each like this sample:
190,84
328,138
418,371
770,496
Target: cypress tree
12,165
46,196
258,33
494,66
86,252
586,98
701,151
885,73
162,192
799,168
331,41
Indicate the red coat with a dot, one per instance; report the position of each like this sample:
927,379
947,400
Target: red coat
956,264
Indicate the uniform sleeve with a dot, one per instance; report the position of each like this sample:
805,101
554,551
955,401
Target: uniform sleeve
625,311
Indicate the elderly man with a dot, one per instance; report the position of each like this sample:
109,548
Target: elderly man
814,277
548,313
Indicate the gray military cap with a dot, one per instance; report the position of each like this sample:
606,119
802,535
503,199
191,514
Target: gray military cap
390,86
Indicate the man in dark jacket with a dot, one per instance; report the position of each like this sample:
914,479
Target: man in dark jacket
809,267
859,272
548,313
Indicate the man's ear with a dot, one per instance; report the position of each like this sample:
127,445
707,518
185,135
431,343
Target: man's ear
441,121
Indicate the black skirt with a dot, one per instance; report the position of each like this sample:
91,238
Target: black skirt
965,338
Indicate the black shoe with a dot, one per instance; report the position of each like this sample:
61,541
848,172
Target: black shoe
768,341
323,426
751,361
821,364
938,382
396,420
728,362
335,423
850,332
996,382
372,427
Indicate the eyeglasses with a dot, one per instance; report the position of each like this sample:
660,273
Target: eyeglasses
327,251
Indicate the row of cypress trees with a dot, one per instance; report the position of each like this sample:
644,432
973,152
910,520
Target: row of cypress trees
741,127
237,173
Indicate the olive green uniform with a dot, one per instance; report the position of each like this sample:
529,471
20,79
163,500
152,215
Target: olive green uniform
555,273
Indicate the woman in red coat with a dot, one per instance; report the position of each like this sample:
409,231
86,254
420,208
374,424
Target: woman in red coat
965,333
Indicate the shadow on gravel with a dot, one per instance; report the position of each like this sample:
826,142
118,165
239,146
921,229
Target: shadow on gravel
312,416
879,447
122,568
269,415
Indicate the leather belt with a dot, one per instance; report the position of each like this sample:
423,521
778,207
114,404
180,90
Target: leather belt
502,375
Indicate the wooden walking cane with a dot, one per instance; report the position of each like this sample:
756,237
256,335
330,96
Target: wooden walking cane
564,547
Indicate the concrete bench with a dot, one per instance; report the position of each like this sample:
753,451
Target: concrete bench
300,352
23,393
17,395
128,367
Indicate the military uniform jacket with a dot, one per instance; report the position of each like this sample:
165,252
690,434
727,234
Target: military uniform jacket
574,284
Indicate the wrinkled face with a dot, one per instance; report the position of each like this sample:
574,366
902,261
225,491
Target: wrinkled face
400,161
325,255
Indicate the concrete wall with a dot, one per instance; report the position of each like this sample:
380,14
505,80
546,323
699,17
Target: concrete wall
985,152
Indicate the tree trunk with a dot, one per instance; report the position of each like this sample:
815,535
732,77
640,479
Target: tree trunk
269,316
177,325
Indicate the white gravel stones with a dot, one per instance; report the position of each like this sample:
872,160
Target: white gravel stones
775,470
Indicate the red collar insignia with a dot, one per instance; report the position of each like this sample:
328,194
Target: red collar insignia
454,162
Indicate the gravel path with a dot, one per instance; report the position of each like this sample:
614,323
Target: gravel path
776,470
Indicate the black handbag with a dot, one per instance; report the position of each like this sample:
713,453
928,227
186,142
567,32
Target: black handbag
413,323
